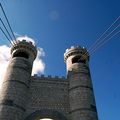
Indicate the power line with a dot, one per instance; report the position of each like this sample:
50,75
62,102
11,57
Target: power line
5,35
8,22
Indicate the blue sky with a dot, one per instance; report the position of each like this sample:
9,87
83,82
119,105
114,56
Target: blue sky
58,24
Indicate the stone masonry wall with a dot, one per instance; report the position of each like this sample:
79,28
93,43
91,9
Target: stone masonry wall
48,93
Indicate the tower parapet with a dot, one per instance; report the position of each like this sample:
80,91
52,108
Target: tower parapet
75,56
76,50
24,49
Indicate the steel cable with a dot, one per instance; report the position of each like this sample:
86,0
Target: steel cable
8,22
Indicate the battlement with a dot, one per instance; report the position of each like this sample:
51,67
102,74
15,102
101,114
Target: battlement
24,47
76,50
73,47
49,77
25,41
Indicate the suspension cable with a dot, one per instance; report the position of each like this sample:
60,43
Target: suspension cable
92,46
6,36
5,28
105,41
104,38
8,22
101,44
97,42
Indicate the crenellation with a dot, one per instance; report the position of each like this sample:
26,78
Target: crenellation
35,75
42,76
49,77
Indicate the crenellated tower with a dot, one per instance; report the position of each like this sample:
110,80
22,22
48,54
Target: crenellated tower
16,83
81,95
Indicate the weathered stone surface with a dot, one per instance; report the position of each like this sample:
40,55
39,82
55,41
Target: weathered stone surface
48,93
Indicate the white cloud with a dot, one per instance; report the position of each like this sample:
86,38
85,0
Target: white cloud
16,34
38,66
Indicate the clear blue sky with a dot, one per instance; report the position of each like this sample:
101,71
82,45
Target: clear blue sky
58,24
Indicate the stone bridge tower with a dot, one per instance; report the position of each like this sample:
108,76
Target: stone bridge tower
81,96
26,97
17,81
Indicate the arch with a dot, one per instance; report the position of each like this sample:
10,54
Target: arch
46,113
77,59
21,54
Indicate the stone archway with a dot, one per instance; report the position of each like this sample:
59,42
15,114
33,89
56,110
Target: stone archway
46,113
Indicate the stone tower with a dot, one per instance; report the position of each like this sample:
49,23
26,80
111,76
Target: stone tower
17,81
81,96
26,97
